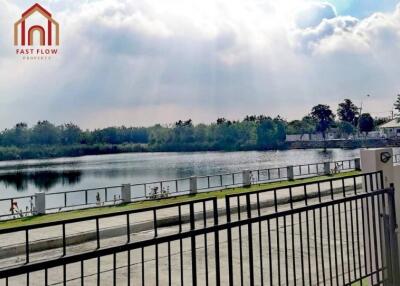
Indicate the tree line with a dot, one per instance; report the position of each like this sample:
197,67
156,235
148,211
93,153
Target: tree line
254,132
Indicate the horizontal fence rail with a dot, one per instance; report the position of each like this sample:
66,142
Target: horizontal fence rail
60,201
331,232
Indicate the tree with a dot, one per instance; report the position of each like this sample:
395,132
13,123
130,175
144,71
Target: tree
266,133
221,121
45,133
17,136
397,103
70,134
346,128
347,111
306,125
250,118
181,123
366,123
324,118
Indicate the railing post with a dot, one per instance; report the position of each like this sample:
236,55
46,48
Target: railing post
246,174
193,185
327,168
290,173
357,164
40,203
391,242
372,161
126,193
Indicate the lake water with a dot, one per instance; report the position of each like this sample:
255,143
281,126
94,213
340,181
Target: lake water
26,177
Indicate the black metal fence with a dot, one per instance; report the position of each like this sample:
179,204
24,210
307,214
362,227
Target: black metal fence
332,232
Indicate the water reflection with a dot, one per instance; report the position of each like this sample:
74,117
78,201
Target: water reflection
42,180
66,174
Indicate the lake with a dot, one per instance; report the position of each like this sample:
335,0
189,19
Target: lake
26,177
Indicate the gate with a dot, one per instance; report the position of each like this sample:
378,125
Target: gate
331,232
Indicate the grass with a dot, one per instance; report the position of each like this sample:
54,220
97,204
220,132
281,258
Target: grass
364,282
31,220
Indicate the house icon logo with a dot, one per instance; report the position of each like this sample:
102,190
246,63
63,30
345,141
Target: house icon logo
28,32
36,34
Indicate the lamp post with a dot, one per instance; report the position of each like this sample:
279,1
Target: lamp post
361,105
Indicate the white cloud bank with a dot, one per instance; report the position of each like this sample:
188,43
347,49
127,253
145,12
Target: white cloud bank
146,61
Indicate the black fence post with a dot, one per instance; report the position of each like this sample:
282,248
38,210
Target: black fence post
216,240
193,245
394,266
250,238
229,238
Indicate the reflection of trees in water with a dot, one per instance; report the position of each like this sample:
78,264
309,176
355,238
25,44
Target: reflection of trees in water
43,180
325,154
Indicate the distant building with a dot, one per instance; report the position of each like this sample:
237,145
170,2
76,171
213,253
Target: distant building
390,129
311,137
334,134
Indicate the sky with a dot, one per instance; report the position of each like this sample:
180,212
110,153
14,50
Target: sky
141,62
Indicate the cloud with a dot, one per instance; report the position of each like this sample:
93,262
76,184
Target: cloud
307,39
313,13
148,61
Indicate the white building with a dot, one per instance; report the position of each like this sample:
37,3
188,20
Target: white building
390,129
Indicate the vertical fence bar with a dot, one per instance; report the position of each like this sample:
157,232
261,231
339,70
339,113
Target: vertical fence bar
375,238
285,239
277,237
301,250
180,244
260,241
193,245
98,271
27,245
216,239
114,269
155,222
169,265
128,228
229,238
394,247
128,277
97,233
205,242
143,270
240,243
82,273
250,238
64,240
157,265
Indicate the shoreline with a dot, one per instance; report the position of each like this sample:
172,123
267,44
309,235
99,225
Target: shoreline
8,154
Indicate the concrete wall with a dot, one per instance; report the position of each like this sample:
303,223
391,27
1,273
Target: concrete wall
298,137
